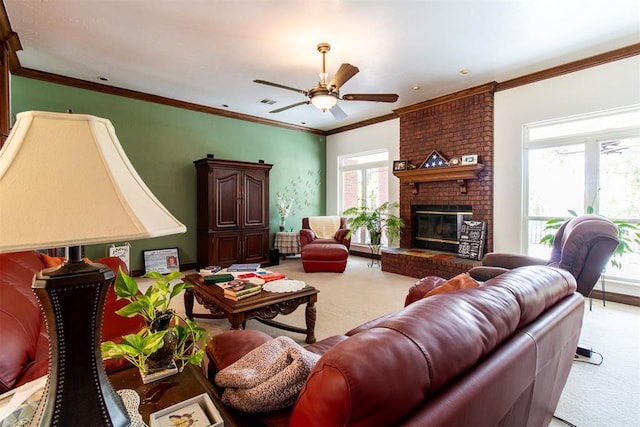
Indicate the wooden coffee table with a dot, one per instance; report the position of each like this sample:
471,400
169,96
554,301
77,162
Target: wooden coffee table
262,307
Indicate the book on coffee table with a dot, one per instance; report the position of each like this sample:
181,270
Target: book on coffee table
217,278
270,277
241,290
243,267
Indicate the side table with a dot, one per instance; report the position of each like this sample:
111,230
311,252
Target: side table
288,243
168,391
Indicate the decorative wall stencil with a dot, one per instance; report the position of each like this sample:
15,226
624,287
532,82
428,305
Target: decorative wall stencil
302,190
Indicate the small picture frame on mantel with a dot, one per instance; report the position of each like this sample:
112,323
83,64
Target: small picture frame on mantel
469,159
400,165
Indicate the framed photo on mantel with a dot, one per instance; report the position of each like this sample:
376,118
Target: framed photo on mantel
399,165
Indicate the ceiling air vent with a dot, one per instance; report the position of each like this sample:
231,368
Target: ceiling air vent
268,101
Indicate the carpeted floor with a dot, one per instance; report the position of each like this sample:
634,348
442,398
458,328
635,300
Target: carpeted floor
595,395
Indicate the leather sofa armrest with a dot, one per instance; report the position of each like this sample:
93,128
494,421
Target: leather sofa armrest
229,346
306,236
341,236
421,287
510,260
484,273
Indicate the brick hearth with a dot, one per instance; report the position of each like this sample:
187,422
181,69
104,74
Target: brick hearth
454,125
423,262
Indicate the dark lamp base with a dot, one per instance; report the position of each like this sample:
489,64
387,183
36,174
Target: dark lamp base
78,392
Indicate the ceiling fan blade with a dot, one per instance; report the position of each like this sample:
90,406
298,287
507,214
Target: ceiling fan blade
338,113
264,82
290,106
375,97
344,73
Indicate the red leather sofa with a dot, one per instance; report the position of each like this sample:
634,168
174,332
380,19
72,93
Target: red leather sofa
497,354
24,351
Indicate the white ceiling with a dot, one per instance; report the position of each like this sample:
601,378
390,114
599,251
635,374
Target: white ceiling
209,52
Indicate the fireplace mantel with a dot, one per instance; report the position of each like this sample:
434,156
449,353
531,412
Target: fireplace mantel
450,173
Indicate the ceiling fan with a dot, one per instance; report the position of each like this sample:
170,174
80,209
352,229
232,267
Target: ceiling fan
325,95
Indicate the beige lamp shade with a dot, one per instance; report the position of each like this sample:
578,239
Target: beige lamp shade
65,181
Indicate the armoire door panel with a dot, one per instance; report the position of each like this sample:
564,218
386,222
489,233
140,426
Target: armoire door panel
256,245
228,200
255,214
226,248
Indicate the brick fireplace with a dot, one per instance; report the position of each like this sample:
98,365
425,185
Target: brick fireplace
454,125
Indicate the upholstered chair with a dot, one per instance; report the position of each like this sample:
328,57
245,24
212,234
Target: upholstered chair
583,246
324,232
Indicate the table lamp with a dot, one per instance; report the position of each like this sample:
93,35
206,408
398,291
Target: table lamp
66,181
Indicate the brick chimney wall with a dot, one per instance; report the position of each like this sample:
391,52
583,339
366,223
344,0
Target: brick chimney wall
454,125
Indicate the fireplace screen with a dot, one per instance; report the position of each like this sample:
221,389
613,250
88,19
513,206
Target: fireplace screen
438,227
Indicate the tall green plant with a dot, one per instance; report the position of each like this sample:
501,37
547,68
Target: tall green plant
376,220
628,234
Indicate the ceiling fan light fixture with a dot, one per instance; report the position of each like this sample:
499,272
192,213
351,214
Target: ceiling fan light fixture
324,102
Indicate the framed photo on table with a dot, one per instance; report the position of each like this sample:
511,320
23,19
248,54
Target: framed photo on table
198,411
400,165
163,261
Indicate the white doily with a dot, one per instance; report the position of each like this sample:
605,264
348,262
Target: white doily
284,285
131,401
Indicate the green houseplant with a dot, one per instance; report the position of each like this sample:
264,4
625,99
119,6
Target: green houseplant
376,220
628,234
167,336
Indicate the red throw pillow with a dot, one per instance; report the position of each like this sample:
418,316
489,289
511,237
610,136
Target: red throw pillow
461,281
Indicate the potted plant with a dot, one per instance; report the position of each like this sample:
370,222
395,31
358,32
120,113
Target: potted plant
284,208
167,337
376,220
628,234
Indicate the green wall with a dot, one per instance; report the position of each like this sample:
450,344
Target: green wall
162,142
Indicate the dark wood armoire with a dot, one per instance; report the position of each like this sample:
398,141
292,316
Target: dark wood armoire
233,212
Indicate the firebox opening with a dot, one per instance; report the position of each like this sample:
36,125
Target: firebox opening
437,227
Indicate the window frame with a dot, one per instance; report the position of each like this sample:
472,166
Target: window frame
363,168
591,141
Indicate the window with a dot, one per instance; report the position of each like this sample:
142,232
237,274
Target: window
364,180
590,161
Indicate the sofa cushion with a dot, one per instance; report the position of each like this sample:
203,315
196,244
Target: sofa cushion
527,284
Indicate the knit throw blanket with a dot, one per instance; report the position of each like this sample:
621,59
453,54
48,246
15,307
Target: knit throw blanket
325,227
267,378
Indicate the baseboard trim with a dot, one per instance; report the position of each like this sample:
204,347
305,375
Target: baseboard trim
619,298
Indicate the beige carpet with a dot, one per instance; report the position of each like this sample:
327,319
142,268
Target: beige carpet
604,395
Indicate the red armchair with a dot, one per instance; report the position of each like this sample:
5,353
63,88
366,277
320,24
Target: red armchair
307,235
324,249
